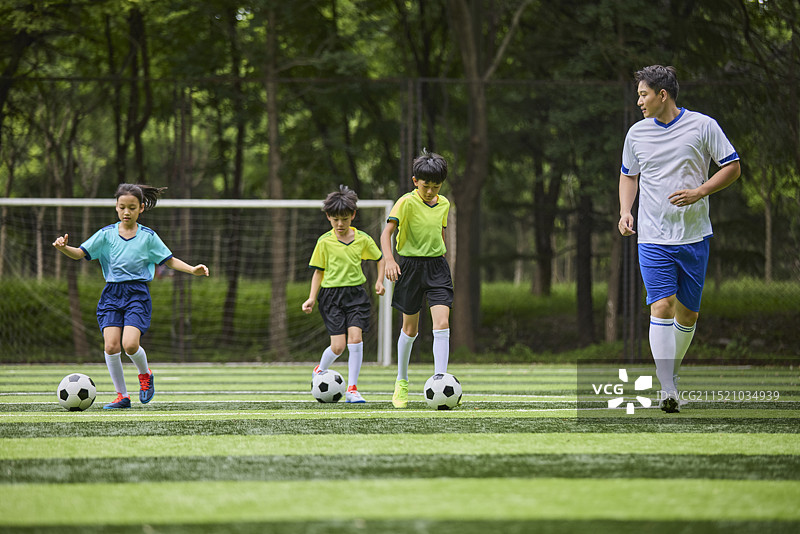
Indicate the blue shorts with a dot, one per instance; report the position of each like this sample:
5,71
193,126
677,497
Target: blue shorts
674,270
125,304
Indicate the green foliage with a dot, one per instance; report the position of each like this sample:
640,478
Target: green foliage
748,318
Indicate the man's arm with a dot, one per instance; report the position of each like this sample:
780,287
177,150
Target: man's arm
721,179
628,187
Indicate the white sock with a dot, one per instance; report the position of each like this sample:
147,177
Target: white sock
139,359
328,357
662,345
683,338
404,345
441,350
354,360
114,364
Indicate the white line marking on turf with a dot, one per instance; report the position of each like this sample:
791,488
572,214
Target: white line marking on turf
253,392
283,401
305,412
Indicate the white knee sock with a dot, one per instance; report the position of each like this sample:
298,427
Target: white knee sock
139,359
683,338
404,346
441,350
354,360
114,364
662,345
328,357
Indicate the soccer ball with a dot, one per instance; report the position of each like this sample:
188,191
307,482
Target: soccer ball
328,386
442,391
76,392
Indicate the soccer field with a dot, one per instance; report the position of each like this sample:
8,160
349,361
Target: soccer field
245,448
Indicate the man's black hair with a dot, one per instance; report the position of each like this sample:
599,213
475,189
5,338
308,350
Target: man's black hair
658,77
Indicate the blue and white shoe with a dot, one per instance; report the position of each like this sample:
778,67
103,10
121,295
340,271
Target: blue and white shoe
119,402
353,396
147,387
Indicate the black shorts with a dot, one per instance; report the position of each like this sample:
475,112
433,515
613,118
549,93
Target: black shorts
343,307
422,277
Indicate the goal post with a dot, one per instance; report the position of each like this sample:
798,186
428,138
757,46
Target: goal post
235,238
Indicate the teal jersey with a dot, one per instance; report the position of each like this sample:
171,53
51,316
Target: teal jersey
342,261
126,260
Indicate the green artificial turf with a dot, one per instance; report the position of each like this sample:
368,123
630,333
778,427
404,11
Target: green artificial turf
227,448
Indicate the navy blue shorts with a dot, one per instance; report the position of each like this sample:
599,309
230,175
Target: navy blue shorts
343,307
422,277
125,304
674,270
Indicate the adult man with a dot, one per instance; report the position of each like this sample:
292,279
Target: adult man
666,159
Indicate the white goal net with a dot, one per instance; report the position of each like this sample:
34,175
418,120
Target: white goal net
249,309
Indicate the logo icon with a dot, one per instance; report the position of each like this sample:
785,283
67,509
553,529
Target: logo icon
642,383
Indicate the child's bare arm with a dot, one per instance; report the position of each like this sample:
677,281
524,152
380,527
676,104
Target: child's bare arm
379,289
71,252
392,268
182,266
316,283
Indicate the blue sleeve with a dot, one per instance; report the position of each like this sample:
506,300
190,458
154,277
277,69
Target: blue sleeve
93,247
159,253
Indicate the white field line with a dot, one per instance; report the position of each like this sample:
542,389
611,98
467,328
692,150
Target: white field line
127,415
99,393
243,401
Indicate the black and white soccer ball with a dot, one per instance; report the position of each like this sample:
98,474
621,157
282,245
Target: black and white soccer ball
76,392
328,386
442,391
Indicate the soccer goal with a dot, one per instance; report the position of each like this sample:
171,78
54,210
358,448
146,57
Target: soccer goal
249,309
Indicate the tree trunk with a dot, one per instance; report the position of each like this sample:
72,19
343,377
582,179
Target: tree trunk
279,326
768,239
613,295
137,119
467,188
235,190
20,42
182,221
545,209
80,343
4,217
583,261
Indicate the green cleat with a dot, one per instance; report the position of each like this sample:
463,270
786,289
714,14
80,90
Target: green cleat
400,397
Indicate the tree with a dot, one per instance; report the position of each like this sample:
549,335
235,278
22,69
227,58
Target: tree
467,22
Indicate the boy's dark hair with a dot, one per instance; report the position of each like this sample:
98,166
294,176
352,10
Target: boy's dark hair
430,167
658,77
148,195
340,203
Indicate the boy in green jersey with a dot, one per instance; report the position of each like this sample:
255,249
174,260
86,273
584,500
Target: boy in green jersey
338,281
420,218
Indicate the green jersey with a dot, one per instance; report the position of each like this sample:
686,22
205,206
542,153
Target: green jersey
419,225
342,261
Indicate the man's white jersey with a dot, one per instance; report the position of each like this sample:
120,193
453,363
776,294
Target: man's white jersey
668,158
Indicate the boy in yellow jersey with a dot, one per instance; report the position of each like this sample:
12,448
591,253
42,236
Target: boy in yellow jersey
420,218
338,281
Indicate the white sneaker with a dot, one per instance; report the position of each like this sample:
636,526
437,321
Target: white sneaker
354,396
